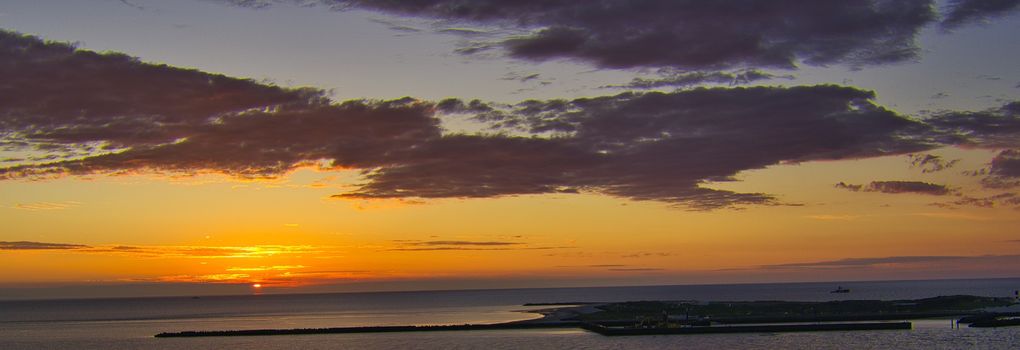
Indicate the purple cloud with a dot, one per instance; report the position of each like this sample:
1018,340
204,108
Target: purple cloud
686,34
916,187
113,114
963,12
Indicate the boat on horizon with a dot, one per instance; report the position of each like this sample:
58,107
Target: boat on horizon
840,289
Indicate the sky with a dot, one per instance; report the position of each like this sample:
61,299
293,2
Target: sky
286,146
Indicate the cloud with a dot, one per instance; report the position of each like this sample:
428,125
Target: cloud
45,206
592,266
929,163
646,254
832,217
636,269
683,79
464,243
894,187
963,12
1007,199
204,252
1004,171
689,34
992,128
647,146
446,248
125,115
894,260
118,115
266,268
27,245
849,187
53,95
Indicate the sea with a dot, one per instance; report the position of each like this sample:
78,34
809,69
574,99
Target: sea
130,323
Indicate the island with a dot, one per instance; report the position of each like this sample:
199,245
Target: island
695,317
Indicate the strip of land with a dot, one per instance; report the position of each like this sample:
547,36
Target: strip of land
690,317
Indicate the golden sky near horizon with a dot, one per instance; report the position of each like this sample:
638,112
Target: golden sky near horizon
288,232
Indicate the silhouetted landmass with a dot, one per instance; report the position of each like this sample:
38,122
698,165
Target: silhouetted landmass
997,323
786,311
687,317
376,329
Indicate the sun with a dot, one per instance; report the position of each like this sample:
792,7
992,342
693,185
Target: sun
256,285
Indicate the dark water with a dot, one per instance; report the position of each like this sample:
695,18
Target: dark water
130,323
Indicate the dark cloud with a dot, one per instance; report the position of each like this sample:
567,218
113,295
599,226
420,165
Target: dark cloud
908,187
124,116
869,262
267,144
647,146
521,77
688,34
993,128
929,163
849,187
917,187
1004,171
26,245
147,117
963,12
682,79
53,95
1006,199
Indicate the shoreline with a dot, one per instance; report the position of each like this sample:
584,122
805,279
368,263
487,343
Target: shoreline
654,317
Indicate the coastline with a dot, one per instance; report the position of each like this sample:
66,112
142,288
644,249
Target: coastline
654,317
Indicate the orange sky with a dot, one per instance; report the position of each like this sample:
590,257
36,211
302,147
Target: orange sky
287,234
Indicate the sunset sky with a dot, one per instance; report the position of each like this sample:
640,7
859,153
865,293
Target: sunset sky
203,146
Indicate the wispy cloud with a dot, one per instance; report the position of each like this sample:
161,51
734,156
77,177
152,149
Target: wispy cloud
636,269
929,163
266,268
44,206
894,187
592,266
647,254
678,79
893,260
464,243
834,217
1007,199
420,249
963,12
190,252
28,245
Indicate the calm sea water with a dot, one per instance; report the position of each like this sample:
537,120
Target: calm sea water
130,323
